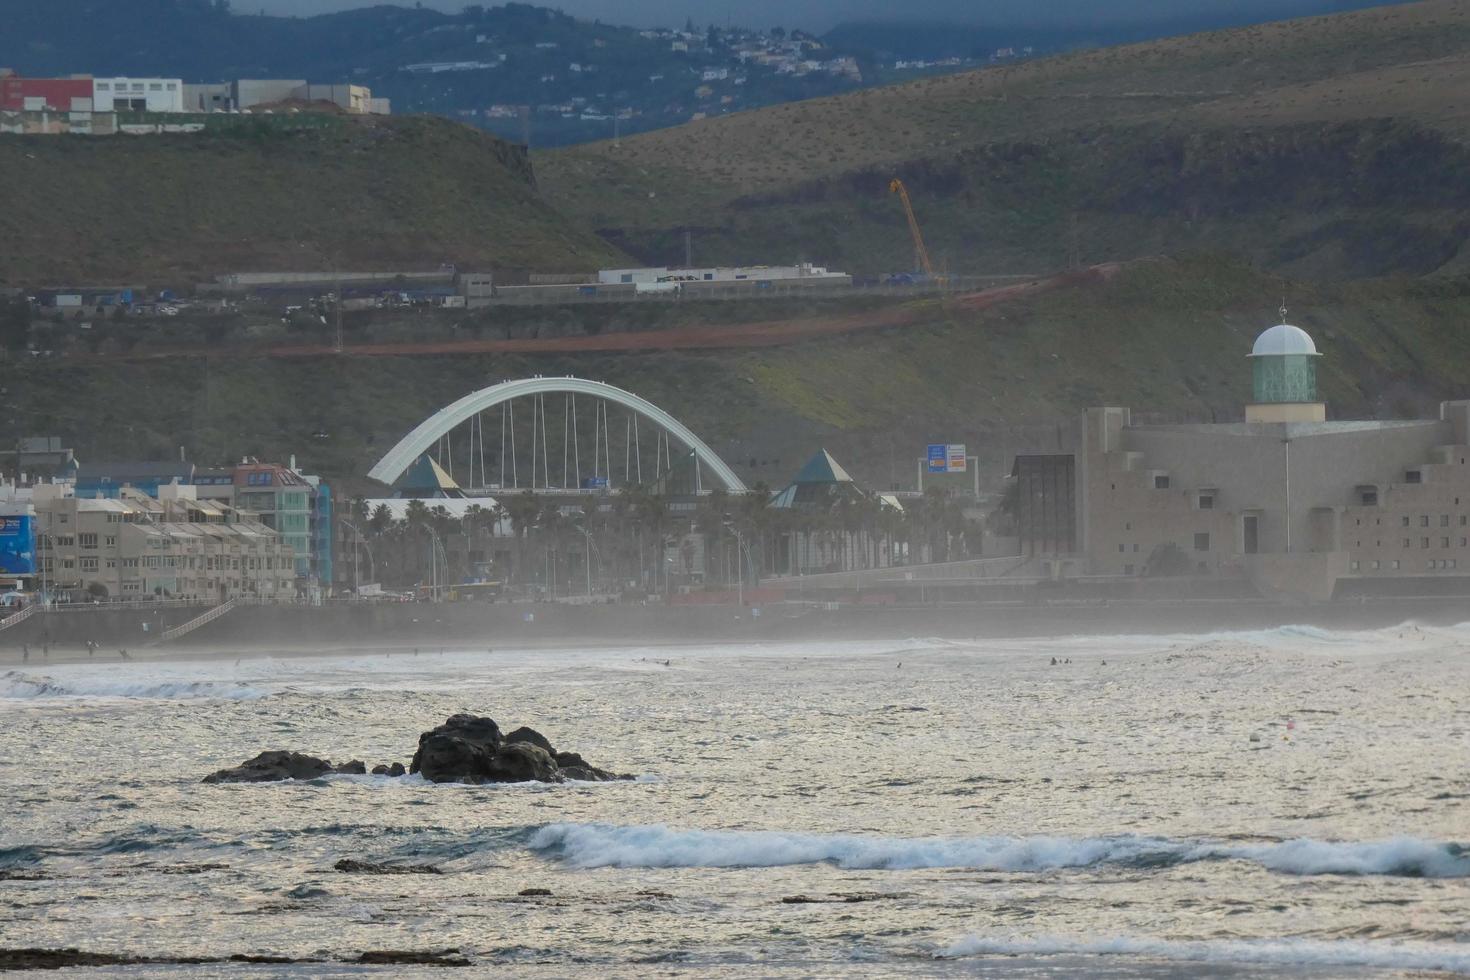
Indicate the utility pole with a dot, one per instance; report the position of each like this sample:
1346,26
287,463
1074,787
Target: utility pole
338,267
688,249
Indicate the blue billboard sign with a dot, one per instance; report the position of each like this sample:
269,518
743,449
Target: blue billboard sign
17,545
938,458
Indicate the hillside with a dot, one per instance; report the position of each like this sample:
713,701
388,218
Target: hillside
580,79
358,193
1099,155
1166,337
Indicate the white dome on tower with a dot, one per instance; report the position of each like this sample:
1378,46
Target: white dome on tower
1284,339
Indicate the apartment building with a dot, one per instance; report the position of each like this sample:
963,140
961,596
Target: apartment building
172,546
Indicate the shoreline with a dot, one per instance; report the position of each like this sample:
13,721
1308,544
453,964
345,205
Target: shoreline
259,632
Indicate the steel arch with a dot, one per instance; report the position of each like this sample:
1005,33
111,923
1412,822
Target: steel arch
429,431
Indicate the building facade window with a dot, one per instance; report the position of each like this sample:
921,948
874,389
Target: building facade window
1161,482
1202,541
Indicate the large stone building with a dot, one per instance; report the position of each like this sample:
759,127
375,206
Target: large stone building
1300,505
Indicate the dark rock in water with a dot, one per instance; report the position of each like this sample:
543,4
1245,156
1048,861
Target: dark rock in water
272,767
590,774
533,892
265,958
841,898
520,762
352,866
465,749
448,957
191,869
61,959
524,734
461,747
573,766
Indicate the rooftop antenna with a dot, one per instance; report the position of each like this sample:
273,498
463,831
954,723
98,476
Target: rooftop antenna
1282,311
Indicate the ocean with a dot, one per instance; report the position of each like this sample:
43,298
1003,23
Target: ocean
1252,804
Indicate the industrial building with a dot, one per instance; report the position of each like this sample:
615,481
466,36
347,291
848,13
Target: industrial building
88,105
138,94
1299,505
724,274
18,94
245,94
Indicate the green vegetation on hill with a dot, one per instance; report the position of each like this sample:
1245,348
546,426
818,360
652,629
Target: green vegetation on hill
408,193
1326,145
1166,337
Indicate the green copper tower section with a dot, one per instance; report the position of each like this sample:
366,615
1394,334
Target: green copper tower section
1284,378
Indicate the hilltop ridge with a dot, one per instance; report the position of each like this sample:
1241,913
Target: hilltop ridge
1015,167
375,193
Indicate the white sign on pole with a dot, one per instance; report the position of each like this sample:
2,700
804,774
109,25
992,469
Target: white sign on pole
955,453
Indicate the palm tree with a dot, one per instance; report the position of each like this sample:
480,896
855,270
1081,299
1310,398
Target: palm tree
381,520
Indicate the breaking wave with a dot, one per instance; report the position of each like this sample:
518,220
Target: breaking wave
657,846
15,685
1272,952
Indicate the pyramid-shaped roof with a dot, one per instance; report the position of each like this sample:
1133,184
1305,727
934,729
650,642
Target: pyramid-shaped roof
426,478
822,468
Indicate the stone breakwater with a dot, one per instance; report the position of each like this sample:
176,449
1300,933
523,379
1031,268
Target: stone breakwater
465,749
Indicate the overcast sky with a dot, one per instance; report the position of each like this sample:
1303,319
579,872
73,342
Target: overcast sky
819,15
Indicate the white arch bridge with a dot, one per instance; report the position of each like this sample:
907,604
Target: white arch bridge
460,429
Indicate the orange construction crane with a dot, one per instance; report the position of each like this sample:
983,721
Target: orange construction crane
895,186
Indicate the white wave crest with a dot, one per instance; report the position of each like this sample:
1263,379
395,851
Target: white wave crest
1448,958
1398,856
657,846
16,686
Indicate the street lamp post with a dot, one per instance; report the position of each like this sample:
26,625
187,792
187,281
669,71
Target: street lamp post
360,543
739,568
435,548
587,559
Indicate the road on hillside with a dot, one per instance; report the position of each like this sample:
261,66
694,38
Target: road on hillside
769,333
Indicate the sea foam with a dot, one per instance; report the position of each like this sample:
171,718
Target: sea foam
18,686
657,846
1272,952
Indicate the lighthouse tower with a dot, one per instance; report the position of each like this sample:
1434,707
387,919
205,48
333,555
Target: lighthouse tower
1284,377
